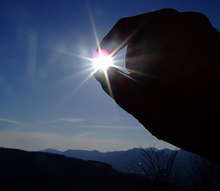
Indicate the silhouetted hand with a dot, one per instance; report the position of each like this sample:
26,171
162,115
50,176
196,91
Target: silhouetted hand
173,85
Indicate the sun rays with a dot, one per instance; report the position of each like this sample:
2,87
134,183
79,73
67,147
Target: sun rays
101,60
98,62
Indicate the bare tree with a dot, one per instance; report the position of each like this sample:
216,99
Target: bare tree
205,175
157,167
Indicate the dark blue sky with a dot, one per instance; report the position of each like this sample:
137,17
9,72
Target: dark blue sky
47,98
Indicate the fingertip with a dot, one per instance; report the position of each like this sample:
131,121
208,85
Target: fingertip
101,75
111,80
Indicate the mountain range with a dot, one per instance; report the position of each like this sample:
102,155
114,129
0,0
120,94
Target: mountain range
130,161
82,170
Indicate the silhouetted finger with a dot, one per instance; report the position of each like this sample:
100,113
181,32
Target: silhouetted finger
117,85
128,30
122,34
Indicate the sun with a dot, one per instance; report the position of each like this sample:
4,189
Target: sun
97,64
102,60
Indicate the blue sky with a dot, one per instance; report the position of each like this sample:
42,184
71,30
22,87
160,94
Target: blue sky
47,99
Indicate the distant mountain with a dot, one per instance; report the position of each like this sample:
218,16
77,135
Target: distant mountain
22,170
85,155
128,161
54,151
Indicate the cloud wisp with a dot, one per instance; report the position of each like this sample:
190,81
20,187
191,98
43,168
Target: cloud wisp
108,127
10,121
71,120
62,119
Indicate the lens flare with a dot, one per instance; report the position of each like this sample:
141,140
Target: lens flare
102,60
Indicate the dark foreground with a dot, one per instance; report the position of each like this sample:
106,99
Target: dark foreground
22,170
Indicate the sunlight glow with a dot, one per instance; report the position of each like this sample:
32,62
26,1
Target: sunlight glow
102,60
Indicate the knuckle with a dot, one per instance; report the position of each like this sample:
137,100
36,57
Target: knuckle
123,22
196,18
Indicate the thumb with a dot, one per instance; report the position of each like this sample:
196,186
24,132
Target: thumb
128,93
117,84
